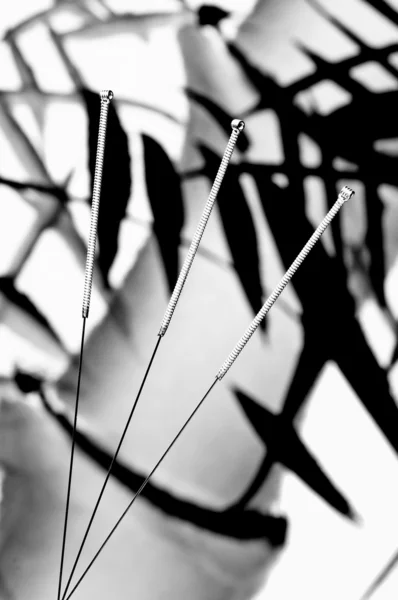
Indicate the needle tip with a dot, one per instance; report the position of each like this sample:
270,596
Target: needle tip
238,124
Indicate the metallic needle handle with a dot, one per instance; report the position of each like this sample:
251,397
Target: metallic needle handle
344,195
237,128
106,97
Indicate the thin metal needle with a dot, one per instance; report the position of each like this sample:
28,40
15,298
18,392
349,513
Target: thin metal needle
109,472
72,455
344,195
237,127
381,577
106,96
144,483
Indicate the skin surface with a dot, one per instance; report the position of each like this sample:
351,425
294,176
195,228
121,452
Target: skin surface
153,556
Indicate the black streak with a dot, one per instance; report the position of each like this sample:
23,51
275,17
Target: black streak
165,196
21,301
284,446
239,229
238,524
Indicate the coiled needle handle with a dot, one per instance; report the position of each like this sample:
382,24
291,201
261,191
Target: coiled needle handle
237,127
106,97
344,195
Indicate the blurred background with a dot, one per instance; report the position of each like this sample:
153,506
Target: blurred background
285,485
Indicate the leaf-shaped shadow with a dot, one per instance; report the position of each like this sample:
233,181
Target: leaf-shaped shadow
26,382
163,185
211,15
239,229
285,447
221,117
15,297
116,179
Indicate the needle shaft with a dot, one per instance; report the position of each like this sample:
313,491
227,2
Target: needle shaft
344,195
109,472
72,455
141,488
